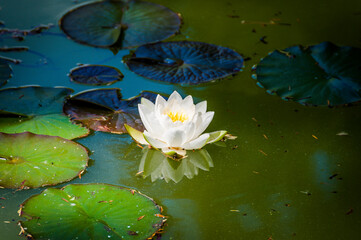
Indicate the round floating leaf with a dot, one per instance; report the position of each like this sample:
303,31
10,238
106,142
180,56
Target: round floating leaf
104,110
323,74
33,100
30,160
119,22
91,211
184,62
51,124
38,110
5,71
95,75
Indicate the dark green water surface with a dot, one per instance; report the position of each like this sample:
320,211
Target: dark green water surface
275,181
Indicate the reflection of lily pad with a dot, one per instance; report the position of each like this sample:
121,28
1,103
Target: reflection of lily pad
37,110
91,211
184,62
5,71
120,22
30,160
95,75
323,74
159,166
104,110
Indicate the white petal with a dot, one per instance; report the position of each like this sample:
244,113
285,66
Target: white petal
201,107
201,125
160,100
174,137
146,115
153,141
197,143
188,101
147,103
175,97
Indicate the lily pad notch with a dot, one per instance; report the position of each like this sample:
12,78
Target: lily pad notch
184,62
119,23
323,74
91,211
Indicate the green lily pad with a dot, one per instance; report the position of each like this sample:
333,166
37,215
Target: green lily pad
323,74
5,71
105,110
120,22
38,110
91,211
95,75
28,160
158,166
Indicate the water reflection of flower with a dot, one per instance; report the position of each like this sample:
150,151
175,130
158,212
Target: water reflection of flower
158,166
175,125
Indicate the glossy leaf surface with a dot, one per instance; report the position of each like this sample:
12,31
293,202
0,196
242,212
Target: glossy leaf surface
37,110
30,160
105,110
121,23
323,74
91,211
184,62
95,75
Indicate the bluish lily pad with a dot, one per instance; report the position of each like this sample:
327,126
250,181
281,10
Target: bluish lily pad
105,110
184,62
120,22
38,110
30,161
5,71
95,75
91,211
323,74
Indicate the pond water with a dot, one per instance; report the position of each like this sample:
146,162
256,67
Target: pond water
288,175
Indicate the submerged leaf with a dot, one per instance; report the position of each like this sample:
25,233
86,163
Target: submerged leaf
30,160
105,110
91,211
37,110
184,62
5,71
120,22
323,74
95,75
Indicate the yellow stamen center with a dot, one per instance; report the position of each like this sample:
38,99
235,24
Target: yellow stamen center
177,116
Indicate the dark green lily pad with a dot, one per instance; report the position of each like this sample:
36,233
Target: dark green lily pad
105,110
323,74
28,160
91,211
184,62
120,22
95,75
37,110
159,166
5,71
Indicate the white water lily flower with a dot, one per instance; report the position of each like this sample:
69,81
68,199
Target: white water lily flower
175,125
